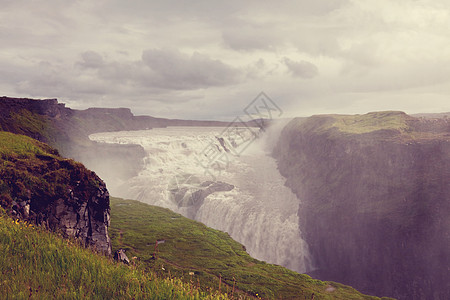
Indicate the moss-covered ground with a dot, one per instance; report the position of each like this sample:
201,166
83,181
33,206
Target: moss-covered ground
211,258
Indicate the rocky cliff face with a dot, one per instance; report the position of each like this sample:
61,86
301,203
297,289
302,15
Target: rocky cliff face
82,216
375,200
38,185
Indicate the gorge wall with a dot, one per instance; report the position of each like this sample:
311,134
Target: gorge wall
68,129
375,200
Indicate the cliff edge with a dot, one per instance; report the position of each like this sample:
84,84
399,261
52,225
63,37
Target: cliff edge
374,196
38,185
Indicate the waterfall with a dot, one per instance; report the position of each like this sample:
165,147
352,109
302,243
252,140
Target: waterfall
247,199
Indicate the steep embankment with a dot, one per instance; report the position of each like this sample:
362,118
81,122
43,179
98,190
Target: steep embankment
208,257
40,186
38,264
375,200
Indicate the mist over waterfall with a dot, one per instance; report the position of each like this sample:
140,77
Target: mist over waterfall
247,198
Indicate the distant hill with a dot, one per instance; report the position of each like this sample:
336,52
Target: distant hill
63,128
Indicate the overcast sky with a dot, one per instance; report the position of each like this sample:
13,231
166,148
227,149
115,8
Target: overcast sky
208,59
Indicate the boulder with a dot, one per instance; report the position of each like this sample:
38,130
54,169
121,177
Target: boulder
120,256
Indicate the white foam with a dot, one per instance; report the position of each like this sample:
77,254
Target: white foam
260,213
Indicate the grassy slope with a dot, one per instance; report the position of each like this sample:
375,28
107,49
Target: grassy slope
41,264
37,264
32,124
210,254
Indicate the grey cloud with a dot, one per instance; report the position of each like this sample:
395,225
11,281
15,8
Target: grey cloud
42,79
245,46
217,10
310,26
158,72
321,7
121,73
91,59
246,36
159,69
176,70
45,79
302,68
298,8
163,11
317,41
257,69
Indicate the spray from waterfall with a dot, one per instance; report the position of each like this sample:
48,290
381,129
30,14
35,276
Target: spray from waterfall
248,200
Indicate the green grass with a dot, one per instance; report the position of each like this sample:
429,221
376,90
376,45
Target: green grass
14,145
353,124
29,123
387,120
34,125
37,264
210,255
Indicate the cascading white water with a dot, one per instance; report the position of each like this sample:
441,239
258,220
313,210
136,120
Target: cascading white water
259,212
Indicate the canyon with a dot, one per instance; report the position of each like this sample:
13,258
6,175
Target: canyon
360,199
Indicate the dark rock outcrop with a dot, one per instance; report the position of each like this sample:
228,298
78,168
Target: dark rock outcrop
375,200
187,191
85,219
38,185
